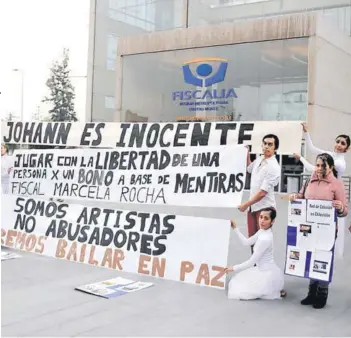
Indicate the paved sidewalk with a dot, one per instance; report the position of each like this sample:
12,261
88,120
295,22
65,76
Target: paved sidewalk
38,299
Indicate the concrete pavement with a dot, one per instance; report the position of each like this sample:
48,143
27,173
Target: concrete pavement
38,299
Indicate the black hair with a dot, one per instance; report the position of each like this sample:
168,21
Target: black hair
272,212
347,138
276,140
326,158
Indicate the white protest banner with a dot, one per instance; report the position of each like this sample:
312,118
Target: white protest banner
183,177
188,249
154,135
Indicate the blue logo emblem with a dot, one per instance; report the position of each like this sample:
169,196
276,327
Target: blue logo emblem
202,74
205,76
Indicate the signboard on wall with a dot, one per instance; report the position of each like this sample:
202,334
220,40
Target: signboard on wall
204,74
180,248
154,135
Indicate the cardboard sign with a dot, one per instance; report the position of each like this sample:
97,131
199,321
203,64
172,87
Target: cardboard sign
311,239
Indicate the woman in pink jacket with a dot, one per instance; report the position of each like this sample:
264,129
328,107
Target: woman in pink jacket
323,185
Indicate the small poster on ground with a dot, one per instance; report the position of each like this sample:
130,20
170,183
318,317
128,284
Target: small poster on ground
115,287
6,255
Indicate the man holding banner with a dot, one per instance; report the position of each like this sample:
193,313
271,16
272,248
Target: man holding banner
265,175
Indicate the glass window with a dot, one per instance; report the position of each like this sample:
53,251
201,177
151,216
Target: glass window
147,15
112,41
247,82
219,11
340,17
237,2
136,13
253,81
110,102
120,18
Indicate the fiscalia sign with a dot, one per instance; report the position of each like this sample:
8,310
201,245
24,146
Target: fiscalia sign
204,76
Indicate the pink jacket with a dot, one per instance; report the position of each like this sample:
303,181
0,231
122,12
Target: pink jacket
328,189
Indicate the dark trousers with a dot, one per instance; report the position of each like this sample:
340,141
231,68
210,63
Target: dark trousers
253,223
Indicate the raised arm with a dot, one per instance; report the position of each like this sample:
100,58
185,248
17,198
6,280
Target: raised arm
246,241
340,167
310,146
260,248
308,166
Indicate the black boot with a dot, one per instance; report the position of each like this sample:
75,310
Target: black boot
311,297
321,297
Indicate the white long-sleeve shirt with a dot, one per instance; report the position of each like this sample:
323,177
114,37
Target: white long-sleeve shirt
339,158
262,253
265,175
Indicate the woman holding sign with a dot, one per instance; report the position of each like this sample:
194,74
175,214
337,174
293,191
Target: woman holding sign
323,185
259,276
341,146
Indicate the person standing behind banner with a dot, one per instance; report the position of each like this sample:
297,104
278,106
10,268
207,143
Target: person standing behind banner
6,167
341,146
323,185
265,175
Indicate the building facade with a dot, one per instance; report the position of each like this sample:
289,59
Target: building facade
245,60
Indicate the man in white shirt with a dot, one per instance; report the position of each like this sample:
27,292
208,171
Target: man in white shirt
265,175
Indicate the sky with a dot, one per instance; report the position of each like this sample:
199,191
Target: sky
33,34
